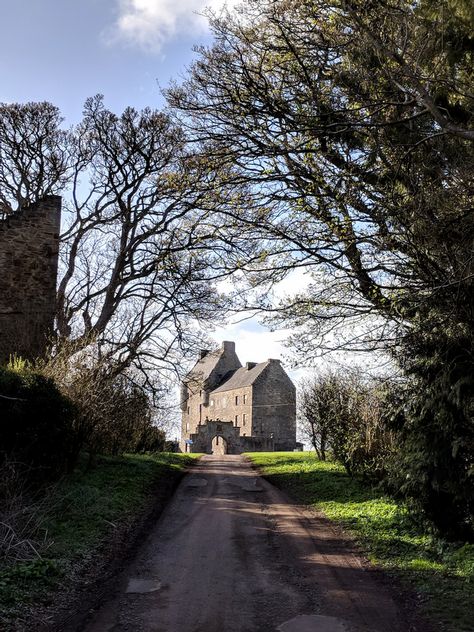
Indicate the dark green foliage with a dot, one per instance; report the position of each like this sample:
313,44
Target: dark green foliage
435,465
36,422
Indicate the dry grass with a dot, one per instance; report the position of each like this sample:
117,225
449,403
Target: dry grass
23,516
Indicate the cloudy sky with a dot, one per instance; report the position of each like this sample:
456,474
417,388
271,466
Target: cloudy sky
64,51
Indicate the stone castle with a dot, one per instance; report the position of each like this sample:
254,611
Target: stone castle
228,408
29,246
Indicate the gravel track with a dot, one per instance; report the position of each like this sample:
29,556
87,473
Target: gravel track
231,553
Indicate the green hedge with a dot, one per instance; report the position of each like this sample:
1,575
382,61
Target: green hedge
36,423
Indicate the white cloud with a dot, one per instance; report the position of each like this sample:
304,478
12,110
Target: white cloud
149,24
255,344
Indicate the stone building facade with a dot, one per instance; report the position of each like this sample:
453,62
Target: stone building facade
230,408
29,246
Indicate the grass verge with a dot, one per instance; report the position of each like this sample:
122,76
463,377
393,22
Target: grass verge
441,573
84,514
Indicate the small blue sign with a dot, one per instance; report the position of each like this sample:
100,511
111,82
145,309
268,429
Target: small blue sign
189,441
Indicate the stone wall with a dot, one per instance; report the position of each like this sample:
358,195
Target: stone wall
274,407
29,245
203,437
230,406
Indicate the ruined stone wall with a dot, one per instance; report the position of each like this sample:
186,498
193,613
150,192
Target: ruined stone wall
29,245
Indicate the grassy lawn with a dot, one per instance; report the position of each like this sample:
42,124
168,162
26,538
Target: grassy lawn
441,573
84,511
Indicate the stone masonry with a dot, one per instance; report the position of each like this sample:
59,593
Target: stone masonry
29,245
230,408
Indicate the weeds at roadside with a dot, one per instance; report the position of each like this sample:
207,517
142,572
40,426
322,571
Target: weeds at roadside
73,520
23,516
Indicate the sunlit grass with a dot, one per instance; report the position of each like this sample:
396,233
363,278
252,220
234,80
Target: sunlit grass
442,573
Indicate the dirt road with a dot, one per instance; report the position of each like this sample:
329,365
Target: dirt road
231,554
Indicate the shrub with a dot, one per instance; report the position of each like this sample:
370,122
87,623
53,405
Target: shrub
370,445
113,412
36,421
347,413
435,468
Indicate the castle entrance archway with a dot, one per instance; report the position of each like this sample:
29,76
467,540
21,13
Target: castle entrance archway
219,445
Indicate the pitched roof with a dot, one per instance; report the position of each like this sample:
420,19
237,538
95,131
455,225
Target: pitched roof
241,377
203,368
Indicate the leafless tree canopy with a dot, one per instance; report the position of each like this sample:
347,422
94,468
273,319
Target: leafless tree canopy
144,241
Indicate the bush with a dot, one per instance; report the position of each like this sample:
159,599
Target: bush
347,414
370,446
36,422
435,468
113,412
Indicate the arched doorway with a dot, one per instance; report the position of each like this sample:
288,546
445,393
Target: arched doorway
219,445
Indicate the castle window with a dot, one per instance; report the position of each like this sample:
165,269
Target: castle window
236,420
187,426
188,410
212,402
236,400
244,419
245,398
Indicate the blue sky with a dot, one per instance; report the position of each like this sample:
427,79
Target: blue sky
64,51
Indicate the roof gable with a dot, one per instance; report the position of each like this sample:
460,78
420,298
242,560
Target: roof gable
203,368
241,377
210,369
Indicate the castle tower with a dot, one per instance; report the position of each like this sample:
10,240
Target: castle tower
29,246
232,408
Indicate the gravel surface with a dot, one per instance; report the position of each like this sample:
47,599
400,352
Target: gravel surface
231,553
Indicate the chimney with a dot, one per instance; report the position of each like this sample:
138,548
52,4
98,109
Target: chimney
228,346
203,353
250,365
273,360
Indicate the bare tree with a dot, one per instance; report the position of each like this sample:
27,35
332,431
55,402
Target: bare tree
143,246
34,154
315,413
144,243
